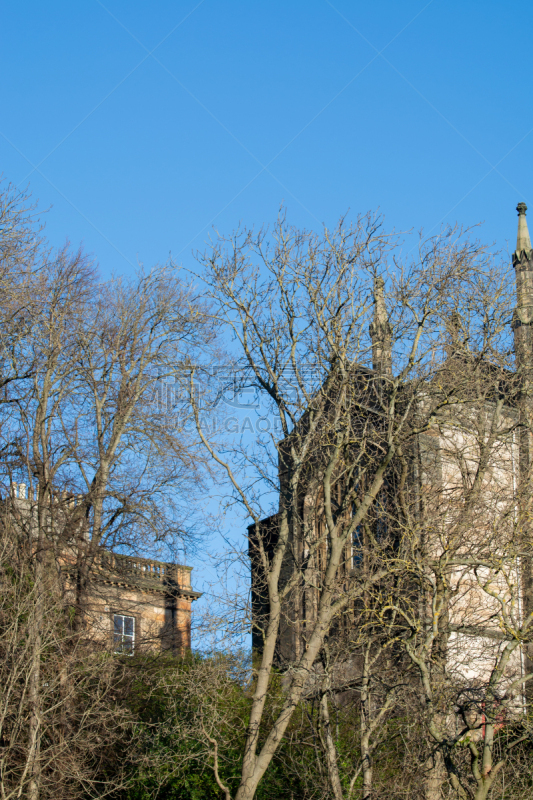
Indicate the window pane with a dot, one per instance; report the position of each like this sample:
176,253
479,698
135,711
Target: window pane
123,633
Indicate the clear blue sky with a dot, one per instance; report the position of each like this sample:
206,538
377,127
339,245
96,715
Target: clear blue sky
143,124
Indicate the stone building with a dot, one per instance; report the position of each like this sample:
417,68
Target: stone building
443,457
140,603
131,603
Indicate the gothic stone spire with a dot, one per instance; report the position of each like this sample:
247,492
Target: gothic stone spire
380,332
523,337
523,315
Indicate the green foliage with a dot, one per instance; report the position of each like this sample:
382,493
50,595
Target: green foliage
173,760
170,759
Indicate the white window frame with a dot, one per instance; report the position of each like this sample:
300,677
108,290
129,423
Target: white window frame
125,636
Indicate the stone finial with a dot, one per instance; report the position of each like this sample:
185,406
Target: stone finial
523,242
380,331
523,315
381,310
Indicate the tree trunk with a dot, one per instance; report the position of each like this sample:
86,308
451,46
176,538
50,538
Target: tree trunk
34,689
366,758
367,767
434,777
331,752
482,791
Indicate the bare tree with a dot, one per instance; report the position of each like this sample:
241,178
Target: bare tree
99,462
352,411
363,672
55,738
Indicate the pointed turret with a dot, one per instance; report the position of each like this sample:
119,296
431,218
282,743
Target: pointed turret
523,338
380,332
454,344
523,315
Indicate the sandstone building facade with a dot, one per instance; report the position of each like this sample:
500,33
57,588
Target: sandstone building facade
443,461
132,604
